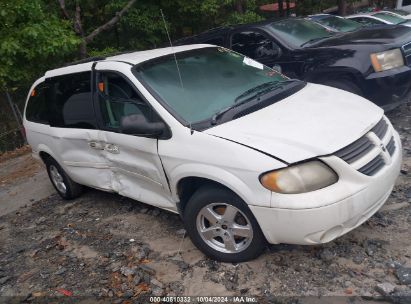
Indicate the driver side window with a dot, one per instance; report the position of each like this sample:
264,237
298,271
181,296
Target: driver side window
118,98
254,45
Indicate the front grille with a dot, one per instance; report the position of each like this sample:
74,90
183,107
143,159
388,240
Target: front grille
366,154
373,166
406,49
356,150
380,128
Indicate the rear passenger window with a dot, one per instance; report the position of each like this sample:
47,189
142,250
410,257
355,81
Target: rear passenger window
36,110
70,101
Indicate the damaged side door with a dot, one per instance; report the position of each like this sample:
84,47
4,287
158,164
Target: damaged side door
136,167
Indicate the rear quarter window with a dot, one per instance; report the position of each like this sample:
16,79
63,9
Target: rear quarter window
36,110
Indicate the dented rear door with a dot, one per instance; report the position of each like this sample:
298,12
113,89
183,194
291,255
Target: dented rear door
74,130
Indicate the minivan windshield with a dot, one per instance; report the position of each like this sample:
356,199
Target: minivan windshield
339,24
212,80
390,18
299,32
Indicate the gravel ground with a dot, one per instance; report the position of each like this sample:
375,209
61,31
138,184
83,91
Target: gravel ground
105,245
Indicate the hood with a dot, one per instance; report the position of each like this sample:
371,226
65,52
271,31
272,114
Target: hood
386,34
317,120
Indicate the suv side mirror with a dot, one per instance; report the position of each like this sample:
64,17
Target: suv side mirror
137,124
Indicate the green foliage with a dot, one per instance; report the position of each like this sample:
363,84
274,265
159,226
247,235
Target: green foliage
31,40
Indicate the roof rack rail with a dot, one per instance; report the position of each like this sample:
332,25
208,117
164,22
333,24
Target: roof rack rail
85,60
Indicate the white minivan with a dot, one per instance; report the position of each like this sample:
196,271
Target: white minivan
245,155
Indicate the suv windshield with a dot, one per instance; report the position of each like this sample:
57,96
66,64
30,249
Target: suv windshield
390,18
299,32
212,80
399,12
339,24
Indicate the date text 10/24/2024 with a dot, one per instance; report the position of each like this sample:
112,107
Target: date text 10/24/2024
203,299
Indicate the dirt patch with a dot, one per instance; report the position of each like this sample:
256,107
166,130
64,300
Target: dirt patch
5,156
18,168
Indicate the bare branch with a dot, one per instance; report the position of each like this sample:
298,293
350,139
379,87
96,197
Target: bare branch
108,25
78,28
63,9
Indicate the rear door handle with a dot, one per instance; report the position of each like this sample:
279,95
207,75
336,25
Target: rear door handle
96,145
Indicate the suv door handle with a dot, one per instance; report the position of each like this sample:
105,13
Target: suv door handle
96,145
112,148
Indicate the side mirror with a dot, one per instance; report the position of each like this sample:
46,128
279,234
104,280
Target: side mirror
137,124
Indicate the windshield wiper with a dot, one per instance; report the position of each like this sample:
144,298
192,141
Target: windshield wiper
315,40
256,89
261,90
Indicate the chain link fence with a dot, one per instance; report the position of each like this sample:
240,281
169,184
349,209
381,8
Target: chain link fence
11,136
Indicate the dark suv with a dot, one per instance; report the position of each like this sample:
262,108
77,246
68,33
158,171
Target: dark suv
373,62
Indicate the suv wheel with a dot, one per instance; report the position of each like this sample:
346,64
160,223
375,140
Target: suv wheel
65,186
222,226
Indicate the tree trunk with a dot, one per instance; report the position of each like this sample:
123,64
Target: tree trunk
280,8
239,6
82,51
342,7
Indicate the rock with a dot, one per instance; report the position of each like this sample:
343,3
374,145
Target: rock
156,291
358,259
181,232
128,294
404,275
126,271
156,212
370,247
156,283
40,220
147,269
143,210
4,280
408,193
60,271
385,288
137,279
326,255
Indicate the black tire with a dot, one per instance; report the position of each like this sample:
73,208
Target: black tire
346,85
207,195
73,190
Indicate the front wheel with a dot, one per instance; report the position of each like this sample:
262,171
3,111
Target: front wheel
222,226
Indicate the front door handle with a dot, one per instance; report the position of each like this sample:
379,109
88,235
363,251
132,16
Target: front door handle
112,148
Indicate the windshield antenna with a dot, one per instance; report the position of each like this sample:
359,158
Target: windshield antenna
175,60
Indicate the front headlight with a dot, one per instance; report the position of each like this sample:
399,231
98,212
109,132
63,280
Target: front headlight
387,60
301,178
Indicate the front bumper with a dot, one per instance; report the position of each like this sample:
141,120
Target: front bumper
389,89
342,206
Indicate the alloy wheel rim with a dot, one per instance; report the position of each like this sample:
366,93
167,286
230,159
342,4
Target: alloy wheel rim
224,228
57,179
